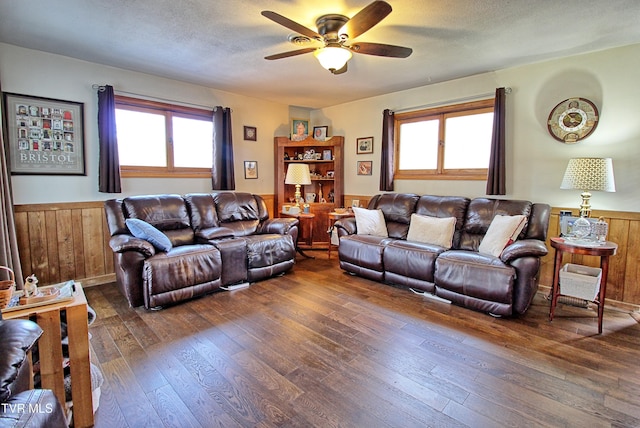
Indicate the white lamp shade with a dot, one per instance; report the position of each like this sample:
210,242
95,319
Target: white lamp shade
589,174
298,173
332,57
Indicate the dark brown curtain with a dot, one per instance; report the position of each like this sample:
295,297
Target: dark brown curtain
387,152
109,166
9,255
496,178
222,175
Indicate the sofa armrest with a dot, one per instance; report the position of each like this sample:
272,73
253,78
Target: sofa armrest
281,226
524,248
33,408
346,226
17,338
213,233
122,243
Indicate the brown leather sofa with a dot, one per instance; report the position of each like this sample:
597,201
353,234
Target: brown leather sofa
503,285
218,239
21,405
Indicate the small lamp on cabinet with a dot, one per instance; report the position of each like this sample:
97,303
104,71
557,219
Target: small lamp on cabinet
588,174
298,174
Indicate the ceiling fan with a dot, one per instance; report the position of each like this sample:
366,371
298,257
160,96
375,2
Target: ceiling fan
335,33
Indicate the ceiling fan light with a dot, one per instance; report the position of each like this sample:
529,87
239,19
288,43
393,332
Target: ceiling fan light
333,58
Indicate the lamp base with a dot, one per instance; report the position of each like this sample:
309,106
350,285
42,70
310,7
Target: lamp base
585,207
297,196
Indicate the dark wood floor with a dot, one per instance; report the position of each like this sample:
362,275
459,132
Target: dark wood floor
318,347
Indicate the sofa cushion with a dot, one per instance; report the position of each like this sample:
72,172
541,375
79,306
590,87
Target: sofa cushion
143,230
432,230
370,222
502,231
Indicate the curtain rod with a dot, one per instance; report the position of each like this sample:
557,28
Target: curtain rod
147,97
507,90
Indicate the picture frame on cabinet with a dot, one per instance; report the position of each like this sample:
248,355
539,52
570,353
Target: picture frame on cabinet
364,145
330,174
320,133
250,170
299,129
250,133
326,154
365,167
45,135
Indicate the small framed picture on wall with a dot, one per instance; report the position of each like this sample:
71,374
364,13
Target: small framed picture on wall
364,145
365,167
250,169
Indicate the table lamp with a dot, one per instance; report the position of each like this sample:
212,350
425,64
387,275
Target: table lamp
298,174
589,174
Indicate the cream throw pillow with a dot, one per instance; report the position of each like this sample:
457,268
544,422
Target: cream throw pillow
502,231
432,230
370,222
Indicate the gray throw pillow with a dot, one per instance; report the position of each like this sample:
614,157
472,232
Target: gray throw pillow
143,230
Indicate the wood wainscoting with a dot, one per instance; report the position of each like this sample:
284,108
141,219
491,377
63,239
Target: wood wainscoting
63,241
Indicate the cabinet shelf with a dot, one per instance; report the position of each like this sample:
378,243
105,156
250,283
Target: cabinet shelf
331,187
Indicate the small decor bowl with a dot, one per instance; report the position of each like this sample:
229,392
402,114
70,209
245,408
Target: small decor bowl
340,210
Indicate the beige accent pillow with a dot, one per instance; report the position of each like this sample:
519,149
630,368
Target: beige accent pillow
432,230
370,222
502,231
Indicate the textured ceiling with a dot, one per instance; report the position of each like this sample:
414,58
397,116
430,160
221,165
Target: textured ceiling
222,44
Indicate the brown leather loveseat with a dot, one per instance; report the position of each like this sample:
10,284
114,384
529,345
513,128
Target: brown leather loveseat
214,240
502,284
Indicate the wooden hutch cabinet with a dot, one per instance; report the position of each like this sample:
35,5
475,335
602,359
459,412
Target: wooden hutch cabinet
325,160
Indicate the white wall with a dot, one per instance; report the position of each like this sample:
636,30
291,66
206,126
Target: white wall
536,161
30,72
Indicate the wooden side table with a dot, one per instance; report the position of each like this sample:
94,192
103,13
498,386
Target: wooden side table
50,351
602,251
306,230
333,217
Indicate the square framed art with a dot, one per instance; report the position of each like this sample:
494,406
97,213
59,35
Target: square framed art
320,132
364,145
365,167
250,133
45,135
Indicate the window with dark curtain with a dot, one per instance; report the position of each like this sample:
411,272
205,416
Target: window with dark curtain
496,177
109,164
387,152
222,170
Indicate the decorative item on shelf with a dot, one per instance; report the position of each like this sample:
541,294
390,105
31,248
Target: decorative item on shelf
310,154
299,129
30,286
601,229
326,155
589,174
286,156
320,132
321,198
306,208
310,197
298,174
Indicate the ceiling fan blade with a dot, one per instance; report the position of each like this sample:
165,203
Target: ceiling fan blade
342,70
380,49
290,53
292,25
365,19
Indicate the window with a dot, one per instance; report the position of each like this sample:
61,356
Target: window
163,140
451,142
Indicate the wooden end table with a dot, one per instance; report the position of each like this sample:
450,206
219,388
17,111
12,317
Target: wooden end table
50,352
333,217
306,230
603,251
